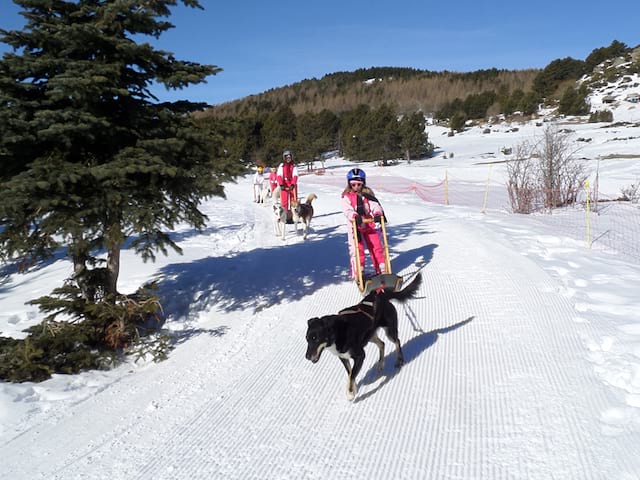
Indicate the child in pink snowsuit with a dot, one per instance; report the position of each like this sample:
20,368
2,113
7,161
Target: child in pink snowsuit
273,181
359,203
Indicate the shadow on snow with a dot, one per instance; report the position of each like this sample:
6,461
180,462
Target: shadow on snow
263,277
411,350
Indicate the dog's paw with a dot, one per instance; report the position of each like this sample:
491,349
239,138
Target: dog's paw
351,391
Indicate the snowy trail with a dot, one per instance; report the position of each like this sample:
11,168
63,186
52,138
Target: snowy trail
443,403
497,385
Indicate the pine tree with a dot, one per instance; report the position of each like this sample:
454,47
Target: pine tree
547,81
384,134
315,133
90,157
599,55
573,102
354,125
414,140
279,134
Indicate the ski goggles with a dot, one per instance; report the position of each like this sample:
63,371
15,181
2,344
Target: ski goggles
356,183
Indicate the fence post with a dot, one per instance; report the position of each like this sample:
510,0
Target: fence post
446,187
486,192
586,186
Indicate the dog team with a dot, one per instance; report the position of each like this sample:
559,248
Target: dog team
346,333
282,188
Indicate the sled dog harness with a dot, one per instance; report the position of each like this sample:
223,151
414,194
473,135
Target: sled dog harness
350,310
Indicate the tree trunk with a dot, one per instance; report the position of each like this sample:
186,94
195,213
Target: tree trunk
114,239
113,270
79,256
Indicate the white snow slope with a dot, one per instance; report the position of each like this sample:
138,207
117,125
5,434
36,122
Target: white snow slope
522,352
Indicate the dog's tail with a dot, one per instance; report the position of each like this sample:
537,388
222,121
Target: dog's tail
311,198
408,292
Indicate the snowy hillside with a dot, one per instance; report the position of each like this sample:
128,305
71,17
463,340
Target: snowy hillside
621,96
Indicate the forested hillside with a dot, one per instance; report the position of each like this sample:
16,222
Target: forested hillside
409,90
368,114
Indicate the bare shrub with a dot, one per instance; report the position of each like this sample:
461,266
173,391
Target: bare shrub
631,193
522,179
546,174
561,175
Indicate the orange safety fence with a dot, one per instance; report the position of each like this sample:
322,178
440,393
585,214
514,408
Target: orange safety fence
608,224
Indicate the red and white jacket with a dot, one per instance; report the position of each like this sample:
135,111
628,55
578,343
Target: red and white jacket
287,174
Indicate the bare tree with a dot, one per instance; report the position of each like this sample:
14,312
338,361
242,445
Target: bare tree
561,175
522,182
547,173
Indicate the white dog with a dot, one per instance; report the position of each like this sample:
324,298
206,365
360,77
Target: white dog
264,194
279,220
275,195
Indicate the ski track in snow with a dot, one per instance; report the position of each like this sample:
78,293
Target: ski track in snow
454,410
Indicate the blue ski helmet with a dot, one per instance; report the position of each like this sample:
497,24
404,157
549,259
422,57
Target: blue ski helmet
357,174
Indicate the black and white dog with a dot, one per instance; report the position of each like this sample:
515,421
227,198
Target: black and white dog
348,332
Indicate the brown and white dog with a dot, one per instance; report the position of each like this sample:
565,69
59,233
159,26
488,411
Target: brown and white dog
303,213
346,333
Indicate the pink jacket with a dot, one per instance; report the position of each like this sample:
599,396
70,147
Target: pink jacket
273,180
349,204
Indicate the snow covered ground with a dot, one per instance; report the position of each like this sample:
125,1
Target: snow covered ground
522,352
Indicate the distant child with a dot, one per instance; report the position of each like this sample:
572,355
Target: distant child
258,181
273,181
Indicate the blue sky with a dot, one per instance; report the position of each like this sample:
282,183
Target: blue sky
262,45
